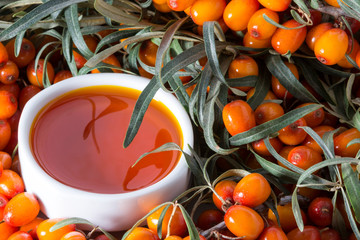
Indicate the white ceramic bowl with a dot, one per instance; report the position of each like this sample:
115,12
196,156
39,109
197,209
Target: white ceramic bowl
112,212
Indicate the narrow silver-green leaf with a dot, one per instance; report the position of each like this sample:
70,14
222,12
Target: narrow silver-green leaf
18,43
69,221
269,20
352,186
193,232
261,88
34,16
296,210
350,216
263,130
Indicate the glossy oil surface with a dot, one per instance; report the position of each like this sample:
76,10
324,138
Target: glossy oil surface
78,140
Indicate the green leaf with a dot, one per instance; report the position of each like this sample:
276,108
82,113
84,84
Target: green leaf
248,81
67,52
278,68
18,43
352,186
115,37
160,221
69,221
349,214
327,152
296,210
34,16
193,232
302,6
324,69
356,119
269,20
261,89
352,8
298,18
263,130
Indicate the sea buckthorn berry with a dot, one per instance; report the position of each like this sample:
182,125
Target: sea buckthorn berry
207,10
258,27
14,88
277,6
4,56
330,234
311,143
315,32
164,7
243,66
309,233
304,157
11,183
279,90
314,118
352,51
9,73
91,43
5,133
3,201
180,5
32,226
35,77
272,233
286,217
293,134
173,238
26,55
177,224
268,111
159,1
209,218
341,141
26,93
320,211
285,40
269,95
141,233
20,235
222,24
74,235
243,221
315,17
62,75
357,58
8,104
21,209
112,60
238,13
284,152
252,190
238,117
260,148
13,141
147,53
6,230
331,46
333,3
44,233
225,189
250,42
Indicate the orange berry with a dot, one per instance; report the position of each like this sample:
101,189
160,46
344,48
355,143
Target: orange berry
279,90
315,32
286,217
344,63
238,117
309,233
6,230
26,55
268,111
112,60
32,226
5,160
250,42
21,209
5,133
20,235
333,3
44,233
26,93
209,218
147,53
260,148
173,238
164,7
177,224
276,5
272,233
35,77
91,43
14,88
341,141
238,13
285,40
225,189
141,233
357,58
9,72
243,66
4,56
243,221
314,118
252,190
207,10
269,95
304,157
8,104
310,142
179,5
258,27
292,134
331,46
74,235
11,183
62,75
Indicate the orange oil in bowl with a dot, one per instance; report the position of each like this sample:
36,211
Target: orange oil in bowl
78,140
